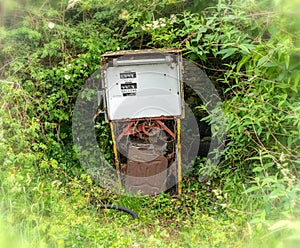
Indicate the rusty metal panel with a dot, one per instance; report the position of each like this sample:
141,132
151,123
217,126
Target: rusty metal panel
146,172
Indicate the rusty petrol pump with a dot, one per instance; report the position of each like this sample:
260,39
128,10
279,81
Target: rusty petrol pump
142,93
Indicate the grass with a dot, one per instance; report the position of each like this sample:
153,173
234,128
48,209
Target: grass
50,219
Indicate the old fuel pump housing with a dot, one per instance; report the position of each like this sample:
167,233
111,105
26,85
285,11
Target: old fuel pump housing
143,102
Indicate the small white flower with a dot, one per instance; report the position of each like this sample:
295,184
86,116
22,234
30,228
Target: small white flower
124,15
51,25
147,27
162,20
67,77
72,3
155,24
173,18
57,182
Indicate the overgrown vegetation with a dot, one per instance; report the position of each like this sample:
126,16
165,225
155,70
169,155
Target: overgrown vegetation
249,49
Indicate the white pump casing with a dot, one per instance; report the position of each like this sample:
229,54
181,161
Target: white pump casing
143,85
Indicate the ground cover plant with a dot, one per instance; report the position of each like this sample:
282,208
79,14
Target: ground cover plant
249,50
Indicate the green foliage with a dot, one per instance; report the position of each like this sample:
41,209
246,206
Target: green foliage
251,54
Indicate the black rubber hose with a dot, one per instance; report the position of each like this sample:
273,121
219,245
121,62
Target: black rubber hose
126,210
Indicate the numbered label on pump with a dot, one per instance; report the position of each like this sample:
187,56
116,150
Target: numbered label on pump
129,89
126,75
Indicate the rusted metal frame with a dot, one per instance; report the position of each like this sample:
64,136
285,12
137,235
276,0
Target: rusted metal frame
147,118
130,130
153,126
166,128
126,130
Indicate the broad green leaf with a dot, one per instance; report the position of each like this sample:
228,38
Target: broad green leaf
257,169
296,81
227,52
242,62
254,188
287,61
262,61
244,48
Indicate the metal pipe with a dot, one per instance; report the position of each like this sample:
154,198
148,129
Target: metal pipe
119,62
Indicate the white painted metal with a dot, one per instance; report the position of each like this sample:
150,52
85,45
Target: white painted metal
147,87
